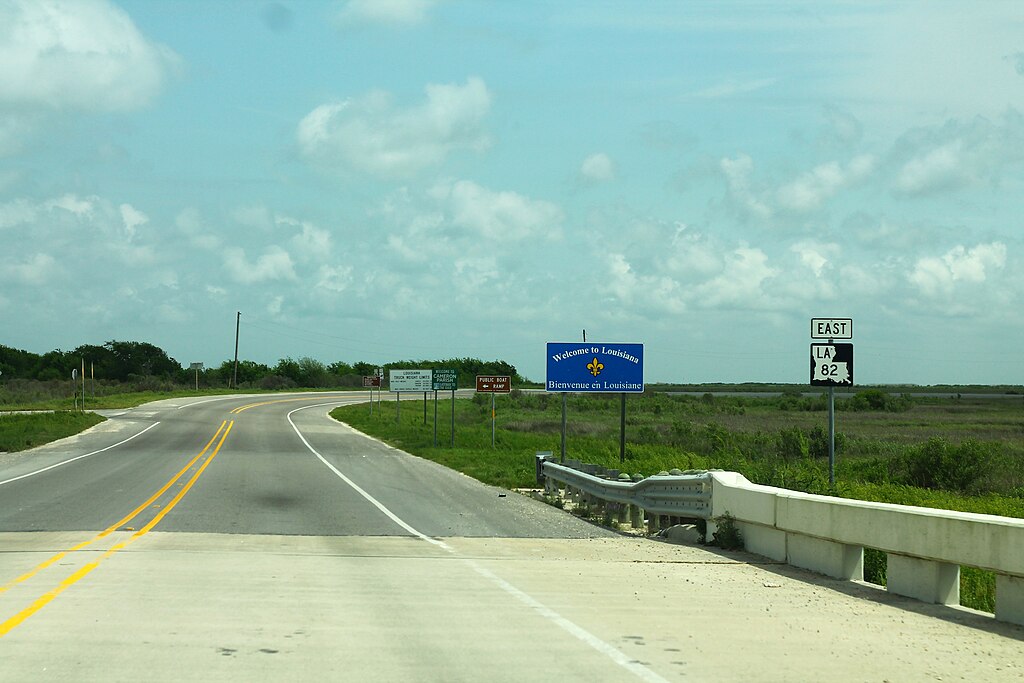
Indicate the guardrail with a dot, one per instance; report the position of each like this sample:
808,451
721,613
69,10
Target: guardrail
925,547
662,500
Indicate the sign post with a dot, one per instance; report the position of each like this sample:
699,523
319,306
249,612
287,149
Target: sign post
831,366
197,367
493,384
410,381
369,382
595,368
445,379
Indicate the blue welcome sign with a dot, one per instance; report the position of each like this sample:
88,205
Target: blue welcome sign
595,367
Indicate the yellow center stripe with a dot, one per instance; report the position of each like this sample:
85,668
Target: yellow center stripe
43,600
116,525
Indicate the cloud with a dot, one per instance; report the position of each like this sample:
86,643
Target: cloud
132,218
500,215
38,270
740,284
935,277
597,168
274,264
85,55
17,212
737,175
388,12
957,155
372,134
812,189
312,243
815,256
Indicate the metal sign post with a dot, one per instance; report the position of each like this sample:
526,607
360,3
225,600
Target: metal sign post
197,367
831,366
493,384
409,381
445,379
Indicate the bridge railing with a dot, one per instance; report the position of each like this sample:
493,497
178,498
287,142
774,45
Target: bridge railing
925,547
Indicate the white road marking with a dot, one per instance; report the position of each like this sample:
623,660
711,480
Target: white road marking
78,457
616,655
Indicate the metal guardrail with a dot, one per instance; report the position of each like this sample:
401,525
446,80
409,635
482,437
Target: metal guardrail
683,496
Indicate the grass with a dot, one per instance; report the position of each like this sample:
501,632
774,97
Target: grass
771,441
23,431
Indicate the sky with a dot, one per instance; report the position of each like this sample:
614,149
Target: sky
383,180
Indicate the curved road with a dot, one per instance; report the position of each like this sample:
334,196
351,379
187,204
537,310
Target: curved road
253,538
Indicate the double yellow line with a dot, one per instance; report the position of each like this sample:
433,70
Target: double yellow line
42,601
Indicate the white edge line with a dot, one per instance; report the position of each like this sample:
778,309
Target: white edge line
612,652
78,457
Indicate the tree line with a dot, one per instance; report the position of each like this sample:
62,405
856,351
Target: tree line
133,362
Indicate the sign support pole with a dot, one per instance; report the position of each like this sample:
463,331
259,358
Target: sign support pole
565,400
453,418
424,407
398,407
435,418
492,420
831,436
622,430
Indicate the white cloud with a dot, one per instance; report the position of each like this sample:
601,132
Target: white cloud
812,189
501,215
37,270
72,204
737,174
86,54
334,279
274,264
132,219
936,169
17,212
938,276
390,12
815,256
957,154
740,284
373,134
650,295
598,167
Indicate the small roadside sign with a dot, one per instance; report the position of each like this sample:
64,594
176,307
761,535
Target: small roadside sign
371,381
195,366
831,365
446,379
493,384
410,380
831,328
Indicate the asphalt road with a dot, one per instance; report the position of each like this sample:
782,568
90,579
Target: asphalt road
254,538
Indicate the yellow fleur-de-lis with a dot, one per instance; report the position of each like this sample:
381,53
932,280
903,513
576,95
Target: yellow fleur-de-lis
595,367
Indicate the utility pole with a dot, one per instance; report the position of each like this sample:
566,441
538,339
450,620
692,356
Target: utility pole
238,319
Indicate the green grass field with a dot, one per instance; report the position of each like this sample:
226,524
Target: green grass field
20,432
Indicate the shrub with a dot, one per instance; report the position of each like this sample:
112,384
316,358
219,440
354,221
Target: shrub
876,399
938,464
793,444
818,442
727,536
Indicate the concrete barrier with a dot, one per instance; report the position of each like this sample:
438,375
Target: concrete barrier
925,547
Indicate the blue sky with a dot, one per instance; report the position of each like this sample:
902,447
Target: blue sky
407,179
